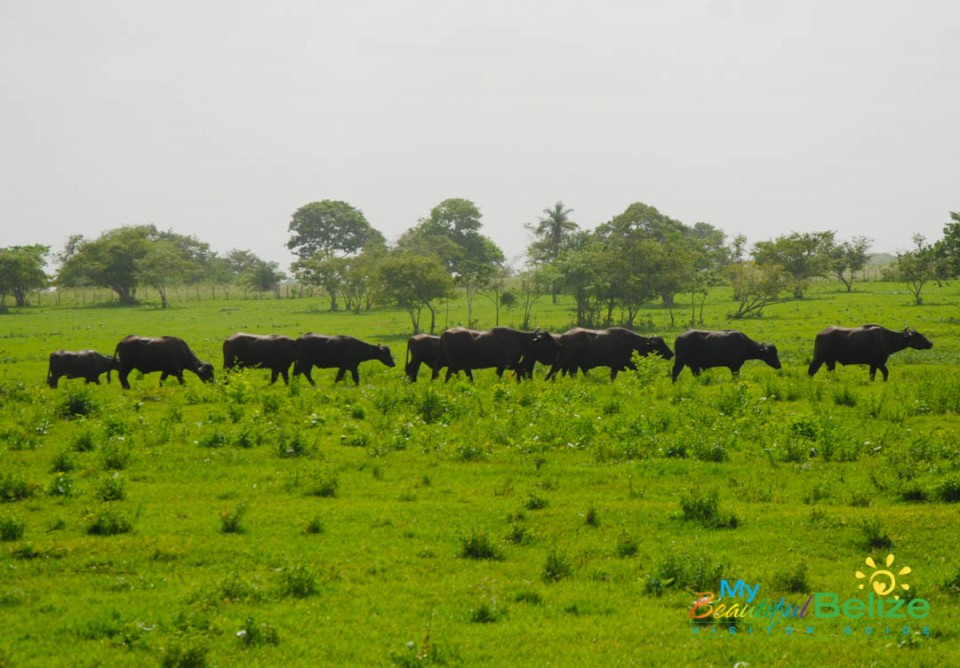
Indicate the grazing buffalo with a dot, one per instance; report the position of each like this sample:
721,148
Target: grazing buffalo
169,355
867,344
501,348
585,349
341,352
700,349
88,364
273,351
424,349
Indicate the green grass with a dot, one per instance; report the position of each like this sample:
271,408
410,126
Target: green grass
492,523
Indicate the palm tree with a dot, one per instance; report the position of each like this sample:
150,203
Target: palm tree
551,231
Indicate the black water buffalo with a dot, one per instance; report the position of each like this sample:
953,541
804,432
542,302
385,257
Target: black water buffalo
169,355
585,349
700,349
501,348
424,349
342,352
88,364
867,344
272,351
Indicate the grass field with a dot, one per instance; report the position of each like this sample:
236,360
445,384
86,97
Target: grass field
562,523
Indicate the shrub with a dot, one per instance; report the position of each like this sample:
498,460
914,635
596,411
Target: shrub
84,441
557,567
949,490
479,546
62,485
535,502
11,528
254,635
875,536
704,510
314,526
230,520
627,546
325,485
62,462
693,572
592,518
298,582
116,456
77,404
111,488
487,613
108,523
15,488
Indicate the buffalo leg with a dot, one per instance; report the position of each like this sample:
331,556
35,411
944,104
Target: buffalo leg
677,368
355,372
340,374
814,366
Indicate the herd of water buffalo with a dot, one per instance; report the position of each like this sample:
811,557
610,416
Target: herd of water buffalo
459,349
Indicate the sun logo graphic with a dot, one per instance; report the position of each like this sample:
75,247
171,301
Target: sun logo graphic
883,581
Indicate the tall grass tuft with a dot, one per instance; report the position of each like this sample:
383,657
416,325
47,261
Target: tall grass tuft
705,511
478,545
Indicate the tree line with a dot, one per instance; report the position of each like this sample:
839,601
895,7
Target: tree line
638,257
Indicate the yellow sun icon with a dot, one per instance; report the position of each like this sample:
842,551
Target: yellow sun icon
884,581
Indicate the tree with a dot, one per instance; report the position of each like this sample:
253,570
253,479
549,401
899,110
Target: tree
847,258
413,282
124,258
328,229
21,270
161,264
756,286
919,266
802,255
948,248
452,234
324,235
264,276
551,231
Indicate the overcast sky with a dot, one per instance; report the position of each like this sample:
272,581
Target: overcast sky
220,118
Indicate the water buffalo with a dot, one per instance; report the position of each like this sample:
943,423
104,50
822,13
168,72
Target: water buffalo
169,355
87,364
273,351
867,344
424,349
701,349
500,347
588,348
341,352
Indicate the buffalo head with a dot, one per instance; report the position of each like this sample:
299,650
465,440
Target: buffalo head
915,339
205,372
383,354
768,353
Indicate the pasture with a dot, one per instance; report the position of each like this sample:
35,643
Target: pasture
494,523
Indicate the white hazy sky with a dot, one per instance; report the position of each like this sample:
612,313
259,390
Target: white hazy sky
219,118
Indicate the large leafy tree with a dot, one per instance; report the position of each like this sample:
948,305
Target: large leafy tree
452,234
126,258
803,256
330,228
21,270
323,235
413,282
